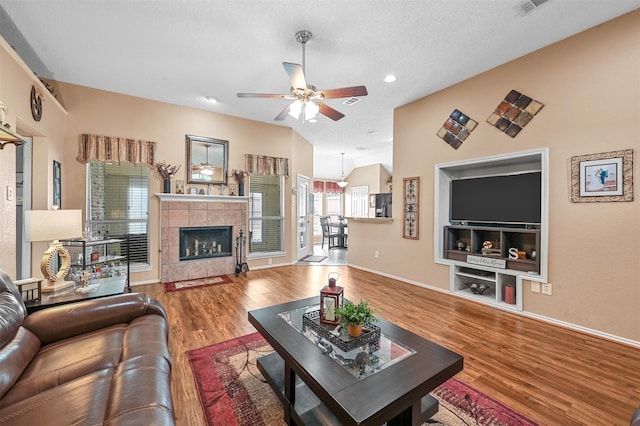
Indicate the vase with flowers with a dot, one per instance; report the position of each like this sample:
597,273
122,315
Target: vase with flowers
167,171
239,176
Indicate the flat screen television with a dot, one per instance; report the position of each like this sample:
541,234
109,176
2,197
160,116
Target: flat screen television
501,199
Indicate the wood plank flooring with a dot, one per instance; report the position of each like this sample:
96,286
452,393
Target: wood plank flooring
551,374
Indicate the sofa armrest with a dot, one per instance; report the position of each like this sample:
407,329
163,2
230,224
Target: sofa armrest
64,321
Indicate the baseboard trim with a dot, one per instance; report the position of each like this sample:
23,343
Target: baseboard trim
532,315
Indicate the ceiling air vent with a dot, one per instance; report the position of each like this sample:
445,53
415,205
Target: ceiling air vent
351,101
529,5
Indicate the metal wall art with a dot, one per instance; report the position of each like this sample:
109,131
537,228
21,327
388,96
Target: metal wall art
607,176
411,208
456,129
514,112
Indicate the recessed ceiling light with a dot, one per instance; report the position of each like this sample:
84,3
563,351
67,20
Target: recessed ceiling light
390,78
313,120
212,99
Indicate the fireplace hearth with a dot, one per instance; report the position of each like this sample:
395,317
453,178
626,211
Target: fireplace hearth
205,242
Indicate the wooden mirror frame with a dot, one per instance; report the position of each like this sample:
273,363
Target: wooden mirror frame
218,157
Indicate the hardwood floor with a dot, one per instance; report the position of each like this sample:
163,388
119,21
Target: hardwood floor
551,374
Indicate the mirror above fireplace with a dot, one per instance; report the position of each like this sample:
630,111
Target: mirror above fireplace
207,159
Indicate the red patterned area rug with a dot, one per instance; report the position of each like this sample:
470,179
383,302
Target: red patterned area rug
233,392
200,282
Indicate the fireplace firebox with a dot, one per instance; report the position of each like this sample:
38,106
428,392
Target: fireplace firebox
205,242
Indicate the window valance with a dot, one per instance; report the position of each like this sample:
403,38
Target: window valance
333,188
115,150
263,165
318,186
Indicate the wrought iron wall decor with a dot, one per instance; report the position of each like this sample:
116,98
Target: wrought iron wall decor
514,112
411,208
456,129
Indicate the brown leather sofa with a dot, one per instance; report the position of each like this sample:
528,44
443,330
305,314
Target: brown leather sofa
102,361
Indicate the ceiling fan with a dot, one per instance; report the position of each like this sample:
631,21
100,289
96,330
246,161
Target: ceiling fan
206,169
307,100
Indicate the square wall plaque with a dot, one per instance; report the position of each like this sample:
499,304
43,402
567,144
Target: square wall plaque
456,128
514,112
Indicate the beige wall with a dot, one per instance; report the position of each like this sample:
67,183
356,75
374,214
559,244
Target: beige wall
590,86
16,81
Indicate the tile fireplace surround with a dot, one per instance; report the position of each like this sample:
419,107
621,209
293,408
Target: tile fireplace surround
181,210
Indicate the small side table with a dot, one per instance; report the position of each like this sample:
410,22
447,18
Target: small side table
30,289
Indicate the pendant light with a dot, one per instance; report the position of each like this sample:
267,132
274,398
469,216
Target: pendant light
342,183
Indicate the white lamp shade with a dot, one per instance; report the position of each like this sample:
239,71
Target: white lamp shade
49,225
310,110
342,184
294,109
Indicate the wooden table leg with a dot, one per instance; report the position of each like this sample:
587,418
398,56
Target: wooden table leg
411,416
289,394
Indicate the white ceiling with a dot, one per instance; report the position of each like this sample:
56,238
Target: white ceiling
180,51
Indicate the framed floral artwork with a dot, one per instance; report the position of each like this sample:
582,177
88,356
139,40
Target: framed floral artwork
411,207
606,176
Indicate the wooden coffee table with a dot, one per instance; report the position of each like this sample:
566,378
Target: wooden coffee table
320,384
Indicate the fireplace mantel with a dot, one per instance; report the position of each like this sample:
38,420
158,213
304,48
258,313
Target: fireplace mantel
203,198
186,210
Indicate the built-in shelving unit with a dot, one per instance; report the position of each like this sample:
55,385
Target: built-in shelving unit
489,260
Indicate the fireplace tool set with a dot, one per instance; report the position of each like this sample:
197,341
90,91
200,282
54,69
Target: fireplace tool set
241,265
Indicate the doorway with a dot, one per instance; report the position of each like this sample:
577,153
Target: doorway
303,220
23,203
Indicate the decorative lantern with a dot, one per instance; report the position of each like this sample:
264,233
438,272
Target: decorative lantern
331,297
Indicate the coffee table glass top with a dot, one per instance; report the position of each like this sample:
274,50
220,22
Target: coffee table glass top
361,362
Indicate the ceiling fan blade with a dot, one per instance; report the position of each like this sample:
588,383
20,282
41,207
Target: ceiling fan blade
262,95
283,114
296,75
333,114
344,92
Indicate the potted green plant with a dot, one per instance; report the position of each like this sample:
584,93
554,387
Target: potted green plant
355,315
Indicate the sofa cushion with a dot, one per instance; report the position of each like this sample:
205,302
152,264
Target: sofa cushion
67,360
79,402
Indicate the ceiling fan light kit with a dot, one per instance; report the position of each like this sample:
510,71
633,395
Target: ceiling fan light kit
306,98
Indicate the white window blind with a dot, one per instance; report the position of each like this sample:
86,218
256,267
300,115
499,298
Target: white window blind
118,207
266,217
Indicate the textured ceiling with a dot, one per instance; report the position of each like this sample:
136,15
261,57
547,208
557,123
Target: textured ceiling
180,51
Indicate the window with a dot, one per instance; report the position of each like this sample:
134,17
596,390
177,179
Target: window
118,207
334,204
266,214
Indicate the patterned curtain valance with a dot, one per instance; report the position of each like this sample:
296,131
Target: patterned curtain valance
318,186
107,149
333,188
262,165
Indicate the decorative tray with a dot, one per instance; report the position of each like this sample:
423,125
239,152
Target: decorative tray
370,332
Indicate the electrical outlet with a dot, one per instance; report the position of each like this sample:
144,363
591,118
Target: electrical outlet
269,261
547,289
9,193
376,254
535,287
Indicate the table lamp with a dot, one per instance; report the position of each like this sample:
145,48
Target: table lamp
51,225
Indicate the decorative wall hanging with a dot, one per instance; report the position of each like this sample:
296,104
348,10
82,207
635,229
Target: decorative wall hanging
36,103
456,128
514,112
607,176
57,184
411,207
